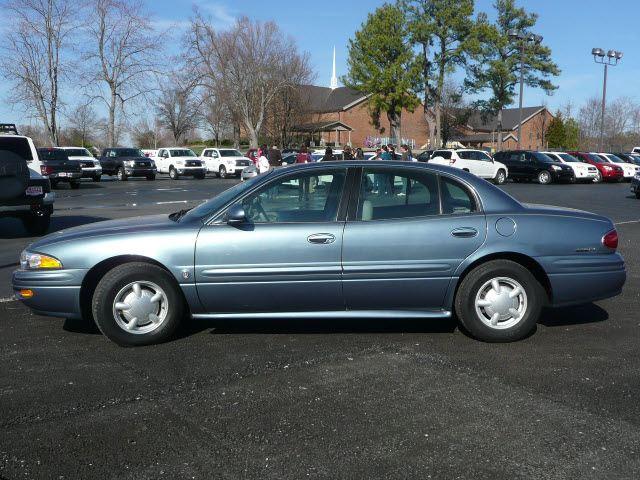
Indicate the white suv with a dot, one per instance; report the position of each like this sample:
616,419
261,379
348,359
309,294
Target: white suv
581,171
477,162
177,161
224,161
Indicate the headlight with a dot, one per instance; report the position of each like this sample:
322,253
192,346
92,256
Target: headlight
152,163
557,168
37,261
130,163
607,167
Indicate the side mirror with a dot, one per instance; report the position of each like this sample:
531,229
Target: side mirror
236,215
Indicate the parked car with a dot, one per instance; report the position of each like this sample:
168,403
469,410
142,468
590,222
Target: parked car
288,158
127,162
581,171
90,166
528,165
57,167
438,241
224,161
178,161
635,150
629,158
477,162
635,185
24,192
606,171
628,170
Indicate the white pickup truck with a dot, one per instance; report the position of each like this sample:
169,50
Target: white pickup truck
225,161
179,161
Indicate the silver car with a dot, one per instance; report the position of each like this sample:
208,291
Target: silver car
327,240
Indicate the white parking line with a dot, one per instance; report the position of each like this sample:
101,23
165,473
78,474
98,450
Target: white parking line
175,201
8,299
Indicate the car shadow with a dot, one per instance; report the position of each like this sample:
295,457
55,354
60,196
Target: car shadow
87,327
13,228
576,315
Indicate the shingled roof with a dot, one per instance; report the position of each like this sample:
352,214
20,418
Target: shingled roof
510,118
323,99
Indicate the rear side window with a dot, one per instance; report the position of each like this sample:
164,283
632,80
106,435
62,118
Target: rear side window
52,154
443,153
17,145
467,155
456,199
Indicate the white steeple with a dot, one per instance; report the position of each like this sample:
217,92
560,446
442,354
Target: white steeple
334,79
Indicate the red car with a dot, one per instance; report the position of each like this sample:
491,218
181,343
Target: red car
252,154
606,171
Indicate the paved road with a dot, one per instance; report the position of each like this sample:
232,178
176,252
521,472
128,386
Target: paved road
337,399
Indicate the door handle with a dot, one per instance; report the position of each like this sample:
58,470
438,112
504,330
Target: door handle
464,232
321,238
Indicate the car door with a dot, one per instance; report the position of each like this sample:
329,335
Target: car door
517,165
106,161
404,239
485,164
286,256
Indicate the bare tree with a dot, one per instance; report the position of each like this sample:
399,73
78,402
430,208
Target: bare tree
177,109
121,56
248,61
34,56
217,116
83,123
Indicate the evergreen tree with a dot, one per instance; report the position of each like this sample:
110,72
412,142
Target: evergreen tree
556,134
571,134
382,65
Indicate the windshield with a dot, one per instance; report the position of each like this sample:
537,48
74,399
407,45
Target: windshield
230,153
615,159
129,152
211,206
78,152
542,157
183,152
568,158
596,158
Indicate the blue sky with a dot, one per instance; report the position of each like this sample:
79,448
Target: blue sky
570,27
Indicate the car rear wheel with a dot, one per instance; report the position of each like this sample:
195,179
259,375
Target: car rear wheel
638,194
544,177
36,224
122,176
501,177
137,304
75,185
151,177
222,173
97,178
499,301
173,173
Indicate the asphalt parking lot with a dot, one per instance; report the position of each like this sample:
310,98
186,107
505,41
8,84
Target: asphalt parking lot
321,399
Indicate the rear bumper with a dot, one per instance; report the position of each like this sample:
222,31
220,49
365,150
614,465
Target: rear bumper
42,205
584,278
563,176
56,293
65,176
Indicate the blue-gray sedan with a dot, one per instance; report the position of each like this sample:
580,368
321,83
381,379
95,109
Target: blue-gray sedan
326,240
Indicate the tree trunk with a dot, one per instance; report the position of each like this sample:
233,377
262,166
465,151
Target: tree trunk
253,137
395,123
438,113
111,126
499,148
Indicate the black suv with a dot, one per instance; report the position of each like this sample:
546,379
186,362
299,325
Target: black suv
24,192
527,165
57,166
127,162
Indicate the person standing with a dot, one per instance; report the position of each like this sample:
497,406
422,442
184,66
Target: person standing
328,155
304,157
347,154
406,153
386,154
359,154
263,163
275,157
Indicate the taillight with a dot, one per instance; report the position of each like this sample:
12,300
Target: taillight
46,170
610,240
452,161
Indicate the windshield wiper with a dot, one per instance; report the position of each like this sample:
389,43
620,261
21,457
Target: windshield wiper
176,216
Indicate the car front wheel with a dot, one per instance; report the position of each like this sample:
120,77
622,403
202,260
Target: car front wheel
122,176
501,177
137,304
544,177
222,172
173,174
499,301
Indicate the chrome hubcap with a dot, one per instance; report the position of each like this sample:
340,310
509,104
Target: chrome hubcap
140,307
501,303
544,177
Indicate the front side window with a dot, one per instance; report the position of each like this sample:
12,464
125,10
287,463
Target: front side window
302,198
78,152
482,156
386,194
230,153
182,152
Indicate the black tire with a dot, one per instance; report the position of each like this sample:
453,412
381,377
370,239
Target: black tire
476,280
97,178
638,194
75,185
118,278
121,174
544,177
200,176
173,174
151,177
54,183
501,177
36,225
222,172
598,178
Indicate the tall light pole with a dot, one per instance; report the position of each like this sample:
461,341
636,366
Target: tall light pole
611,58
522,39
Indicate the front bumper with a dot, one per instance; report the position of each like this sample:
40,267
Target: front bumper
191,170
56,293
139,172
91,172
563,175
585,174
612,174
